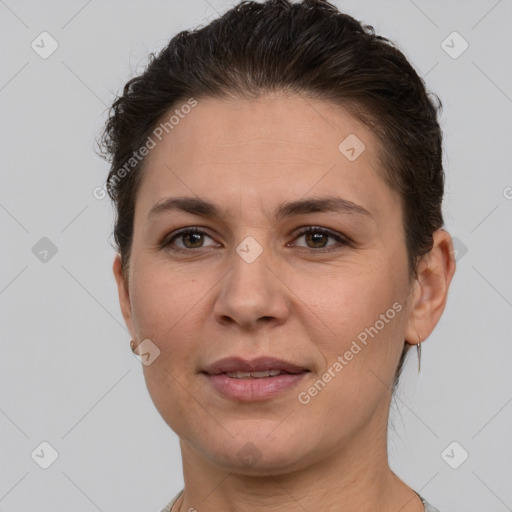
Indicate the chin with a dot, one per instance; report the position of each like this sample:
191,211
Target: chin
258,454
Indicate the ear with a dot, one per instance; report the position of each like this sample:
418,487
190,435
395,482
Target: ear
430,289
124,295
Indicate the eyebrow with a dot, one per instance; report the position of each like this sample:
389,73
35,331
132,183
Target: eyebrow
203,208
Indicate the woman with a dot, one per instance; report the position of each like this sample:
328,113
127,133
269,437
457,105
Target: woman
278,183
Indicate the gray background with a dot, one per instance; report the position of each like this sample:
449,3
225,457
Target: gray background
67,375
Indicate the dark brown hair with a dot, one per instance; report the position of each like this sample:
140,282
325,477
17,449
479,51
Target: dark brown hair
307,48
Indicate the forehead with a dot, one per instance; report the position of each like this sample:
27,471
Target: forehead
279,122
276,145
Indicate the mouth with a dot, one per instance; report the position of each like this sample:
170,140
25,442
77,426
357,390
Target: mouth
248,381
261,367
256,375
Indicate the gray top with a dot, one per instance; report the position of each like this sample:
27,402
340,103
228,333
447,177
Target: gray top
428,506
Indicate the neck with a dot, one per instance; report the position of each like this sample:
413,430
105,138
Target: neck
355,474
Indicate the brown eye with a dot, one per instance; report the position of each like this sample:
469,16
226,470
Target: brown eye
317,238
188,238
192,240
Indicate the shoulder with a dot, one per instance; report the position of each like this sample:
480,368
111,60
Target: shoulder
428,506
169,505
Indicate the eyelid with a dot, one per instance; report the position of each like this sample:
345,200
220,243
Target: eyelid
166,241
339,237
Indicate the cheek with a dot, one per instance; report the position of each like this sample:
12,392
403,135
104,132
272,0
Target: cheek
364,313
168,308
163,298
366,317
351,298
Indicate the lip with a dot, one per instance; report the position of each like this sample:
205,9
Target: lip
251,390
260,364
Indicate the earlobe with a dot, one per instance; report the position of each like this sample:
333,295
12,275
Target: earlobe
435,272
123,293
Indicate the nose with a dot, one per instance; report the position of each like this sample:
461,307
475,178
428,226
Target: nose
252,294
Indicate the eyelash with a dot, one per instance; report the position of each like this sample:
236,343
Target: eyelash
310,229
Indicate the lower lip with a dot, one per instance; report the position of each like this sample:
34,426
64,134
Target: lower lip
250,390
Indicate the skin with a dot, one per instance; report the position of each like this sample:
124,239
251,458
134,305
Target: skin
295,301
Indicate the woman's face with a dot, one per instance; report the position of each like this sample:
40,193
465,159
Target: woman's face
249,284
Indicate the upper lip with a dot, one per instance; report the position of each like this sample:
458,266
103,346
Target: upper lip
260,364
